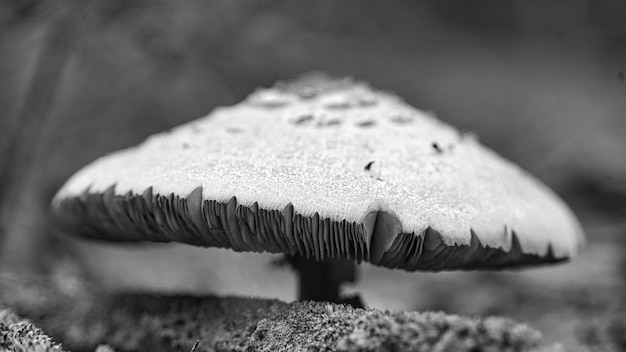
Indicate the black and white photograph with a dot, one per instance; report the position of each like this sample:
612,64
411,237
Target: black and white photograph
312,176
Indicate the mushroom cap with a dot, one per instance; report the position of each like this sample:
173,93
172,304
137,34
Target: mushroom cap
324,168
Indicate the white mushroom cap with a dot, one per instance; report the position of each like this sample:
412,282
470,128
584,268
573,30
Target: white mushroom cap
324,168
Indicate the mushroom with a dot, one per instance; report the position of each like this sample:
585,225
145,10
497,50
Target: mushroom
328,172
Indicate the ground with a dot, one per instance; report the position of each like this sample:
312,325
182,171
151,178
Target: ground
82,319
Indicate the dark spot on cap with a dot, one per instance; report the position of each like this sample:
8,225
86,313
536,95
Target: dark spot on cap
368,166
311,85
234,130
366,123
302,119
437,148
307,93
620,77
364,101
401,119
338,105
271,104
329,122
185,145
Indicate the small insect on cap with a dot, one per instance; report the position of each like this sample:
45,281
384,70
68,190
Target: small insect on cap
324,168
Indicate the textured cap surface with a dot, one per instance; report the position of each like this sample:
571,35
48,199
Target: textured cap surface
324,168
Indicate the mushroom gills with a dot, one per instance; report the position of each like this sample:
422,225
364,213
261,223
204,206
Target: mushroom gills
378,238
211,223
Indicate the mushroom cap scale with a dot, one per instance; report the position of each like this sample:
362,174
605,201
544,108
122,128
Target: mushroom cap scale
324,168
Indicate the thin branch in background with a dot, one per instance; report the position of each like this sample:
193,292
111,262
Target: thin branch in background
22,140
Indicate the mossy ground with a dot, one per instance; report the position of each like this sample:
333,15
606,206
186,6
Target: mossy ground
19,335
81,319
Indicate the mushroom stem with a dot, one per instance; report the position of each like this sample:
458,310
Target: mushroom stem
321,280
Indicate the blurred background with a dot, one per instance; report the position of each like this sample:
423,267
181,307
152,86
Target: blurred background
542,83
